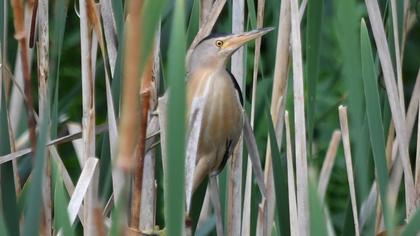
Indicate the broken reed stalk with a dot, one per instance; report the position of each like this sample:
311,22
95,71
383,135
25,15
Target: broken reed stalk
328,164
246,221
85,179
234,205
294,229
300,123
398,115
20,36
145,95
349,166
278,92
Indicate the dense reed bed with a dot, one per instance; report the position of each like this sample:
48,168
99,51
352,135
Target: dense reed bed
94,138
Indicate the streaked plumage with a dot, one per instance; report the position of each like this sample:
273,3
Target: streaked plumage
223,114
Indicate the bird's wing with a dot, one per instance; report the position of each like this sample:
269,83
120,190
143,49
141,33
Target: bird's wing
236,85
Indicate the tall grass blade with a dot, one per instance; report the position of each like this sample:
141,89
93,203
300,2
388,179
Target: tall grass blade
313,39
34,203
175,175
61,217
280,182
318,226
347,22
373,111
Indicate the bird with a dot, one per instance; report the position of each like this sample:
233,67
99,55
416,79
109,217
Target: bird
222,121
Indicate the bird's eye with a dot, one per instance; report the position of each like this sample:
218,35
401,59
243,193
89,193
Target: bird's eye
219,43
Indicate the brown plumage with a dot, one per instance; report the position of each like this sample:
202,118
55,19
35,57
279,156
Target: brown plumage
223,114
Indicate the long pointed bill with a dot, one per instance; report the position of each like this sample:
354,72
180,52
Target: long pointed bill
235,41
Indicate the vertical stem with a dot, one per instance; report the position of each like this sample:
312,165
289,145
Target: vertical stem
43,76
349,166
88,119
235,177
300,129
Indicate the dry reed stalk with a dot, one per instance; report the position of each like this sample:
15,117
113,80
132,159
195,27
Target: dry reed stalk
410,121
412,107
32,31
300,129
279,88
398,114
294,229
117,174
205,209
17,97
43,73
207,26
328,164
88,104
148,200
194,124
205,8
398,55
146,89
110,32
349,166
302,9
163,124
246,223
68,183
417,179
409,19
368,205
74,128
129,117
81,189
20,36
215,200
389,144
148,203
234,204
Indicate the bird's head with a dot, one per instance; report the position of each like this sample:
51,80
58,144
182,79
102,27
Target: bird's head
215,50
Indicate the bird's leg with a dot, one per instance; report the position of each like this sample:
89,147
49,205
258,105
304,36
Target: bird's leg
201,171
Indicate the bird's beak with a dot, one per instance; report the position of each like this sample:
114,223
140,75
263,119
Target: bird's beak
235,41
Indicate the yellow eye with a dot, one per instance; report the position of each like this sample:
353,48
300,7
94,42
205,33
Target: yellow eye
219,43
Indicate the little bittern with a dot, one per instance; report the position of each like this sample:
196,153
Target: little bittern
222,112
